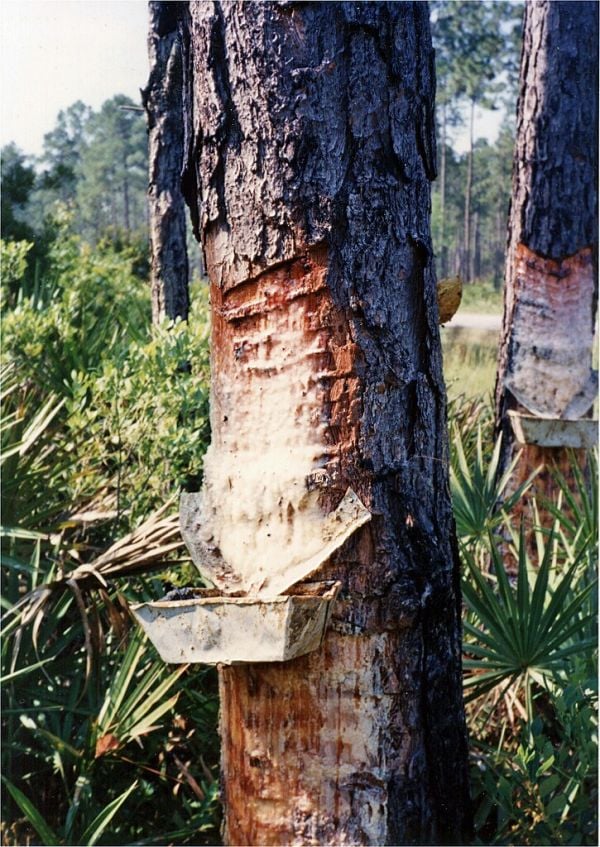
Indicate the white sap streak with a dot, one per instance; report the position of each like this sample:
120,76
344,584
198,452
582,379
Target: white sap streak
256,507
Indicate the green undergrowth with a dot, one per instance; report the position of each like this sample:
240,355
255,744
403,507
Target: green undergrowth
482,297
530,645
105,420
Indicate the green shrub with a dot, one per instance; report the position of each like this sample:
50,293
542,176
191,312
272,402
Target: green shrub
105,419
88,307
542,789
125,419
482,296
13,261
144,419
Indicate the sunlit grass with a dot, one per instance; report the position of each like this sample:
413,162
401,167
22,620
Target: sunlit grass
469,361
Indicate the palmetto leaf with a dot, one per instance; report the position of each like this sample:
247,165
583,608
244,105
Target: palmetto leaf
34,429
102,820
135,699
23,671
530,628
477,489
32,814
19,532
148,547
577,514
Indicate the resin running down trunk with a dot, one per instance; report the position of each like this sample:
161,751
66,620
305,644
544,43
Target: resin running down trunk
308,167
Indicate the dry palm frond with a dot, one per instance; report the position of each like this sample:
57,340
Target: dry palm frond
150,546
500,711
102,507
144,549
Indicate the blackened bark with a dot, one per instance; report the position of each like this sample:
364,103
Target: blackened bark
550,296
310,160
163,102
554,200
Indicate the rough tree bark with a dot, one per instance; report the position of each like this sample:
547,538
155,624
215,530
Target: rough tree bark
545,357
311,150
162,100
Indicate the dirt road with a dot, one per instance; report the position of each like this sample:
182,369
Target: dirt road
472,320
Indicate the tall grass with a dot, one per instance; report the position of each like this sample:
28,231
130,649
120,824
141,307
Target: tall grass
483,297
469,361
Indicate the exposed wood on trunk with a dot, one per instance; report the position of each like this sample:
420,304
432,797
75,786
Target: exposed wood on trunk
552,332
551,292
162,99
311,150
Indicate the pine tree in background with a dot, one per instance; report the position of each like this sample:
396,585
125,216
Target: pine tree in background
18,181
95,164
62,151
111,189
476,54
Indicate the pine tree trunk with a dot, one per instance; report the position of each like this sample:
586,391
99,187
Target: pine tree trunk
476,251
466,263
499,245
308,176
162,99
545,355
126,215
443,251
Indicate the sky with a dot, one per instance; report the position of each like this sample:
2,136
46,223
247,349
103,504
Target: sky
54,52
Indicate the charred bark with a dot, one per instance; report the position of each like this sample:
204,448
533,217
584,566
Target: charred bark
545,357
311,151
162,100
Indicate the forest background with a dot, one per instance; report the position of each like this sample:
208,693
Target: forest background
105,421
